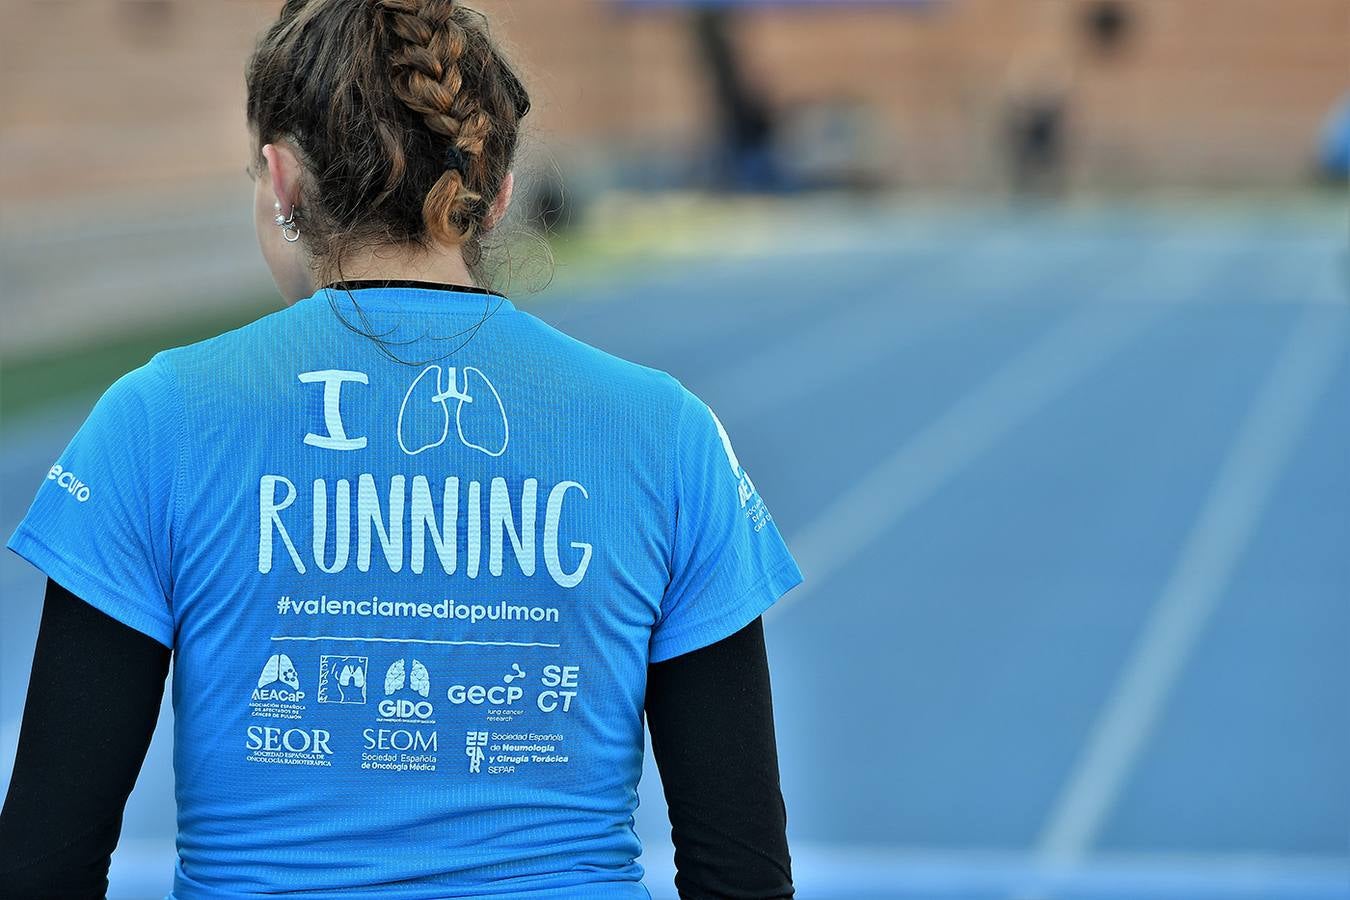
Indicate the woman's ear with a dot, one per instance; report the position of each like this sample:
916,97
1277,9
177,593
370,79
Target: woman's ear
501,203
283,168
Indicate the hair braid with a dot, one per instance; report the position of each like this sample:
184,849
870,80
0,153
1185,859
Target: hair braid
426,65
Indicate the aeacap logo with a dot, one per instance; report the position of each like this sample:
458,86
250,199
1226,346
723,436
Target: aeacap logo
278,681
480,417
403,678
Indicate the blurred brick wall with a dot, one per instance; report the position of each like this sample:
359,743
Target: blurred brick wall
125,93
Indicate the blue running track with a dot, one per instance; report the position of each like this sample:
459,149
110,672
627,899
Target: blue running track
1071,491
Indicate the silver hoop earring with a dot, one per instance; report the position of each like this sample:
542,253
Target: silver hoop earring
289,230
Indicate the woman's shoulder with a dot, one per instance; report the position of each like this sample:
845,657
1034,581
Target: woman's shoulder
613,375
241,339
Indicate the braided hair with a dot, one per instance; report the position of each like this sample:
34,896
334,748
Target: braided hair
405,113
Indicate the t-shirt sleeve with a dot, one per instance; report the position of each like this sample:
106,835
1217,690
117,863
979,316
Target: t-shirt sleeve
728,561
100,523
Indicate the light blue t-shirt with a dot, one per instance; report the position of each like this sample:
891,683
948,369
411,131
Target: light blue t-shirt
412,605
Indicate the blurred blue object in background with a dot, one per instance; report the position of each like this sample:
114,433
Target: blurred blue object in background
1335,149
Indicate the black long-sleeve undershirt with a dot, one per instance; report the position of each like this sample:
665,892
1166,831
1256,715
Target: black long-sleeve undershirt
95,695
93,700
710,713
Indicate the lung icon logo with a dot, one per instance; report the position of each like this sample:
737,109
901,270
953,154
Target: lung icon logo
279,668
398,676
424,417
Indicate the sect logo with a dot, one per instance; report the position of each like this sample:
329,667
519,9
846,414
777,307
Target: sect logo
480,417
279,680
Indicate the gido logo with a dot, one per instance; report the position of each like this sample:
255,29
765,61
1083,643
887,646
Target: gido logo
405,709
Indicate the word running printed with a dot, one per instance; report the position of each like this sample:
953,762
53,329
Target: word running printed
405,523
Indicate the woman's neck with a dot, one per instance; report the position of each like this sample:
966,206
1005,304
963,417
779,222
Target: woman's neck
445,265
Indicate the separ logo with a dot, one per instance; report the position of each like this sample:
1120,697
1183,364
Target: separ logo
474,742
424,417
67,480
342,679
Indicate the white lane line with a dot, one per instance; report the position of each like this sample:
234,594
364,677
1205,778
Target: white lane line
976,422
1231,513
880,326
389,640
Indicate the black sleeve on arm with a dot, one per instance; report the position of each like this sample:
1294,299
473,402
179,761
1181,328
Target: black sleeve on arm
92,706
711,718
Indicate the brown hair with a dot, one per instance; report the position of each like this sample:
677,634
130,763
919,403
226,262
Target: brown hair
405,113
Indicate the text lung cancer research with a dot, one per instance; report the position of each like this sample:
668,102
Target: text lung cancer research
407,519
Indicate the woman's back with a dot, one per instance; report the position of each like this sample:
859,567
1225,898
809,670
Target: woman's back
412,605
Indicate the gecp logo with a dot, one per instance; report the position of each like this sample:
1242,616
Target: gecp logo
73,486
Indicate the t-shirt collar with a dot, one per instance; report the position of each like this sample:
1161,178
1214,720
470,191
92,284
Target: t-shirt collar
405,294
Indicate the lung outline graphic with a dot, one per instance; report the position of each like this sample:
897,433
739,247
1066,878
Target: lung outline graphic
442,397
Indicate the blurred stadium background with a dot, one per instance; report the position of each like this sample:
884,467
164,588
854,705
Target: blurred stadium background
1030,318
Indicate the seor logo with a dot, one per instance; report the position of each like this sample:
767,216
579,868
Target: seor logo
289,740
73,486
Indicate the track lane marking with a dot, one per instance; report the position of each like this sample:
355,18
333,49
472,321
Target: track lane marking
1229,518
973,424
